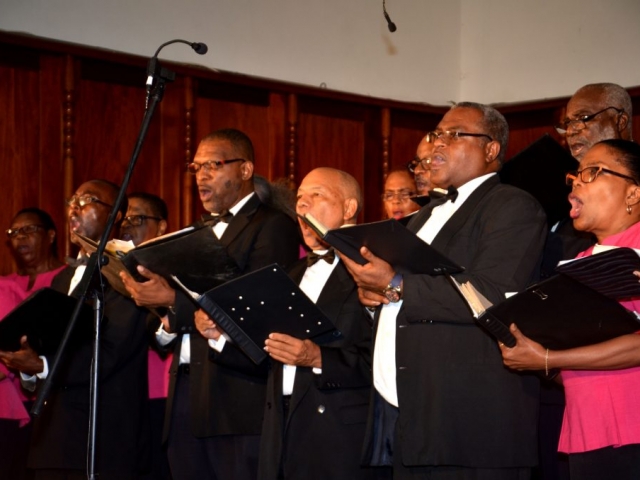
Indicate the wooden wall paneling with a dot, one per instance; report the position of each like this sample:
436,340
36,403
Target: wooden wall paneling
278,148
373,163
407,129
110,107
525,127
56,141
331,134
26,143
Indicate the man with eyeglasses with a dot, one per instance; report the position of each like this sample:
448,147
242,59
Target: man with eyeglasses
444,407
214,413
59,439
596,112
146,218
420,166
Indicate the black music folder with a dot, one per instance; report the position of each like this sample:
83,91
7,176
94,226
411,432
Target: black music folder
389,240
250,307
579,306
43,318
194,255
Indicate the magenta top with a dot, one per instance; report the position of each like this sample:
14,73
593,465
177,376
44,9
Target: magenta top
158,375
13,289
603,407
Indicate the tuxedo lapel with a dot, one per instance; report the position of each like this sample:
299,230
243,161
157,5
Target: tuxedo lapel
335,292
420,218
463,214
333,295
240,220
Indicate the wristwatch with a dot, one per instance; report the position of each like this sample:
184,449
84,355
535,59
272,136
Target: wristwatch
393,292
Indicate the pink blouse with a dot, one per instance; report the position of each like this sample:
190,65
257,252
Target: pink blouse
603,407
13,289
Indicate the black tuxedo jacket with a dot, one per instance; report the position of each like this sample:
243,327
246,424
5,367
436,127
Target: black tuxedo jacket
458,404
225,401
323,434
59,438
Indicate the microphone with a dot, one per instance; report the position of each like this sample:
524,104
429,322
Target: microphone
392,26
200,48
153,66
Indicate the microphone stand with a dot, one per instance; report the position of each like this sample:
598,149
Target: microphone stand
92,278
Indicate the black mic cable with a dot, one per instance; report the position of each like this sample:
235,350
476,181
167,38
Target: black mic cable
390,24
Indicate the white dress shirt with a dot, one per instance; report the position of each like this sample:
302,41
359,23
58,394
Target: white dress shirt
384,354
313,281
163,337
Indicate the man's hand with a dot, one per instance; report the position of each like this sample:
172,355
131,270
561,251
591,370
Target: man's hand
293,351
371,299
156,292
206,326
372,277
25,360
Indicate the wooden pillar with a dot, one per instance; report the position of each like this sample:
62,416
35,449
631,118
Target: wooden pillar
292,137
189,131
386,134
68,136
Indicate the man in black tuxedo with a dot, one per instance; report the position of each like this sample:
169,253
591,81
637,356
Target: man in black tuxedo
59,441
214,413
318,396
444,407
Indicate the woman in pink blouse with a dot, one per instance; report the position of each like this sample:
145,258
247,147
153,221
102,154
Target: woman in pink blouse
33,245
601,426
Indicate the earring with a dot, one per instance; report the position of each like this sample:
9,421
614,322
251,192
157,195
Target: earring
629,209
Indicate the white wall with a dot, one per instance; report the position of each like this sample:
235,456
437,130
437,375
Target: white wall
516,50
483,50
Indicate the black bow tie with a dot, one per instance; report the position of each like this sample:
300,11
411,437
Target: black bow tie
450,193
212,220
328,257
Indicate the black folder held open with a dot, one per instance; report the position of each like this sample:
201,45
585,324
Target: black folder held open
389,240
194,255
43,318
578,306
250,307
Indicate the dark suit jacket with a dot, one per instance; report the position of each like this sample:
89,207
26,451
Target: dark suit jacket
323,435
59,438
225,401
458,404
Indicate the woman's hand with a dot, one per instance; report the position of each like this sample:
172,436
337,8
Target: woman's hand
526,355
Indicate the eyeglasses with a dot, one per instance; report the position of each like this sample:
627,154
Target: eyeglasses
194,167
589,174
137,220
402,195
83,200
26,230
580,123
448,136
425,163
